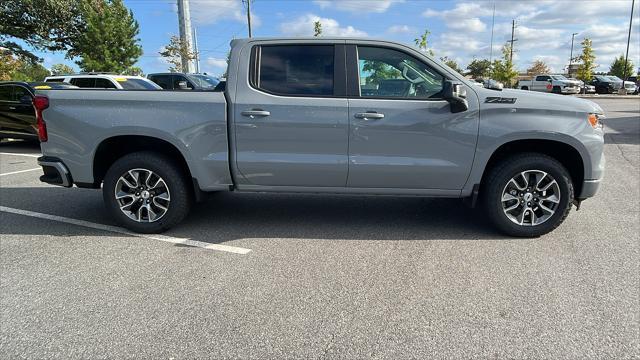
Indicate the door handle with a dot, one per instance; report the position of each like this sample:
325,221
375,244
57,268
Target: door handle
369,115
12,107
255,113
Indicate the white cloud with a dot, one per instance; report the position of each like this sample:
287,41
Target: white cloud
304,26
209,12
217,63
401,29
357,6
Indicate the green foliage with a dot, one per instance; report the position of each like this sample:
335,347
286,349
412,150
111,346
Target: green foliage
479,68
30,72
317,28
109,42
8,65
503,70
618,67
587,61
538,67
422,42
52,25
378,70
451,63
175,51
61,69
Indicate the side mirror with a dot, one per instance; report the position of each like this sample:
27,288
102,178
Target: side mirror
549,81
26,100
183,85
456,94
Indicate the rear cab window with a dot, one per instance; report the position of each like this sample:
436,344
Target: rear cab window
84,82
135,84
293,70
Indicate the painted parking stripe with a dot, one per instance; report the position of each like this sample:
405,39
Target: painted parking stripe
18,154
119,230
21,171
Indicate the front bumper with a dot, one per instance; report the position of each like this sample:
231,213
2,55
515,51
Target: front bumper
55,172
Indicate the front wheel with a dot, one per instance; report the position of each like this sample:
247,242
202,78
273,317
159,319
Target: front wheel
146,192
528,195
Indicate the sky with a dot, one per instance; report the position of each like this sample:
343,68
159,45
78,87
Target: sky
460,29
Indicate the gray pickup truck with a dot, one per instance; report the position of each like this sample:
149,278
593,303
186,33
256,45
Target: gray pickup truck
326,116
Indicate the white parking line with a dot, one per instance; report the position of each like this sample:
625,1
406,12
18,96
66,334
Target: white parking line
115,229
18,154
21,171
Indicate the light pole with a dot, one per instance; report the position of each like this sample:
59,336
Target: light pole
571,54
626,58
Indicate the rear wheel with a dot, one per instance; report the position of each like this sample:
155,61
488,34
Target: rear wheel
528,195
525,88
146,192
556,90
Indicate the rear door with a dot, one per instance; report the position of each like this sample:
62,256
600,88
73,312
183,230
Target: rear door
403,134
16,112
290,115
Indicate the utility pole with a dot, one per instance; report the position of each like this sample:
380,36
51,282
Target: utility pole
493,22
196,50
248,15
513,30
626,58
571,54
184,23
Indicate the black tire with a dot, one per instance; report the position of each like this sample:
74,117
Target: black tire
181,196
525,88
503,172
556,90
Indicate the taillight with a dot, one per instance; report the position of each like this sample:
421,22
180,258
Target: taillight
41,102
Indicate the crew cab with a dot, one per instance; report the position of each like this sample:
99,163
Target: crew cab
326,115
550,83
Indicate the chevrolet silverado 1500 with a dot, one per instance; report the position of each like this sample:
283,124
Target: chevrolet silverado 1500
326,116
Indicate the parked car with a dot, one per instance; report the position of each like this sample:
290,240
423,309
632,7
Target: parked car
182,81
550,83
635,80
584,88
294,118
606,85
17,116
105,81
630,86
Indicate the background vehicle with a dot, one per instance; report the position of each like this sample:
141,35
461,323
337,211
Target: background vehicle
635,80
630,86
605,85
105,81
17,116
550,83
327,115
584,88
182,81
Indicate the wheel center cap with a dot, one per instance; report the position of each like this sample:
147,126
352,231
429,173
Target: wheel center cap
145,194
528,197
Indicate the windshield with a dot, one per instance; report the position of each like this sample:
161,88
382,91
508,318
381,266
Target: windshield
136,84
558,77
615,78
203,81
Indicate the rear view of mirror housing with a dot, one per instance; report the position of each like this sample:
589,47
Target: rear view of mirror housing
456,94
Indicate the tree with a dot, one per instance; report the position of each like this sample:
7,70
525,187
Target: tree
109,43
451,63
479,68
8,64
617,67
503,70
538,67
28,71
317,28
175,52
422,42
587,62
41,24
379,71
61,69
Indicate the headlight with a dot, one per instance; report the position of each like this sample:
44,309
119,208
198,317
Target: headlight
595,120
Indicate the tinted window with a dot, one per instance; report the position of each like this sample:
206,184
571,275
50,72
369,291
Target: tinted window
83,82
6,93
296,70
391,73
177,79
55,80
203,81
163,80
542,78
19,92
137,84
104,84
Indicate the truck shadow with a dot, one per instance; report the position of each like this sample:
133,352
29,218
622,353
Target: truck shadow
233,216
623,130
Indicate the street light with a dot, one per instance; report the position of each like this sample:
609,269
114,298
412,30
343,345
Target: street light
571,55
626,58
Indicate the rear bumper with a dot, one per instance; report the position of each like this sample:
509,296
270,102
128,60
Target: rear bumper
55,172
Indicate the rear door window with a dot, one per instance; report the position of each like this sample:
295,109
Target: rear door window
84,82
298,70
104,84
6,93
542,78
164,81
19,92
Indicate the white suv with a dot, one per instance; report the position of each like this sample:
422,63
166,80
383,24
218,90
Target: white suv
105,81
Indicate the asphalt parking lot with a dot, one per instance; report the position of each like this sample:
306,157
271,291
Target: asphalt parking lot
305,276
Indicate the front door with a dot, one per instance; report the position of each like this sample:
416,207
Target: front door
291,117
402,132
